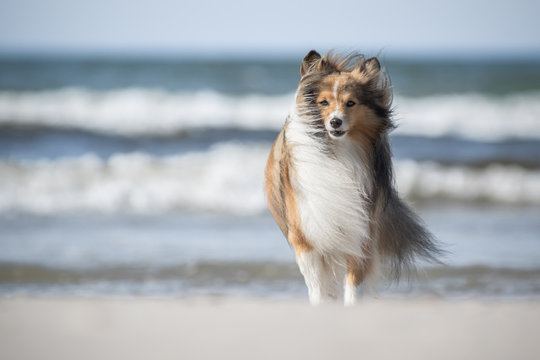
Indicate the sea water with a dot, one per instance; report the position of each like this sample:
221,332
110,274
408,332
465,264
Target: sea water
145,176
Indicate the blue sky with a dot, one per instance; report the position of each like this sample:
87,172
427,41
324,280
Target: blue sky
278,26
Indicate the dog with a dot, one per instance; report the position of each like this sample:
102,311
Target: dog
329,182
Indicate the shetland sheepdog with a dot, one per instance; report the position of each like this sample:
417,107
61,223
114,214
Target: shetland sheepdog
329,180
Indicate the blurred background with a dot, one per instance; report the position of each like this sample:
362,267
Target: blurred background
134,135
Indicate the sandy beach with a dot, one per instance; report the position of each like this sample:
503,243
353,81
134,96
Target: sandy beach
229,328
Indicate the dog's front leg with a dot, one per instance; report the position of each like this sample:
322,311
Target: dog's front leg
316,276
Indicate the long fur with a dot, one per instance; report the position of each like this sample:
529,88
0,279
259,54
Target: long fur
334,198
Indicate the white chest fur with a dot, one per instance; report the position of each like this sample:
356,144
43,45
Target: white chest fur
331,191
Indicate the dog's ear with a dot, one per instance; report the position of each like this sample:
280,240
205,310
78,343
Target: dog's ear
371,68
308,64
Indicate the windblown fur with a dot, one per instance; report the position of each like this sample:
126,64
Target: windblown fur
329,180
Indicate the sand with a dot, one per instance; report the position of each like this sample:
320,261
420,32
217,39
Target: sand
225,328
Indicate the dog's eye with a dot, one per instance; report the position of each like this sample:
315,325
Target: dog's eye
323,103
350,103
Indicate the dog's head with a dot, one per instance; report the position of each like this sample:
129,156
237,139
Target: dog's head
344,95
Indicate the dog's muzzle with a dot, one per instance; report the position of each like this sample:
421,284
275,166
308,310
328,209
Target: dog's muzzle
336,123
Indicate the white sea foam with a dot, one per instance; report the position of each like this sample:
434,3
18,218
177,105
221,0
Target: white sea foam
471,116
226,179
505,184
138,111
135,112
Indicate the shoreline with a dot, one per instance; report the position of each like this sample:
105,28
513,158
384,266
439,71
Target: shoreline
48,327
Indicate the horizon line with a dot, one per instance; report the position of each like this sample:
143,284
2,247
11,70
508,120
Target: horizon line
270,53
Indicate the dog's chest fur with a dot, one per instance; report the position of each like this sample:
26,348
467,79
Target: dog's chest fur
332,187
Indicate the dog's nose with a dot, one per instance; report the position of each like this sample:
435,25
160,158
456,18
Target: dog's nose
336,123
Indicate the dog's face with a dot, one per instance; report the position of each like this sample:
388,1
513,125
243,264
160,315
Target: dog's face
345,97
339,104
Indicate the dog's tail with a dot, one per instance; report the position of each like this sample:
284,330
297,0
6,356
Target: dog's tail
403,238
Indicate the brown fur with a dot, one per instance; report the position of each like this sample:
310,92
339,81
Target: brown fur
281,199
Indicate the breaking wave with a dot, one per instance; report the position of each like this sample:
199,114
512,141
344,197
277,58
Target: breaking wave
228,178
140,111
472,116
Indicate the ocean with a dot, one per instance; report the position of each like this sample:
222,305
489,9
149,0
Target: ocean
144,176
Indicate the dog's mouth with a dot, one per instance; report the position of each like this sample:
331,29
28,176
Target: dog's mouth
337,133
